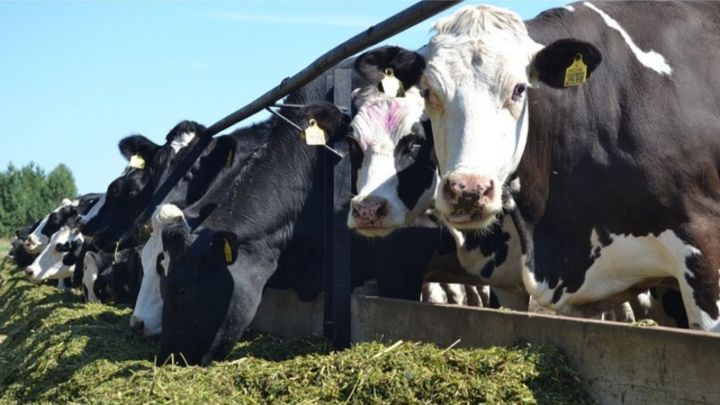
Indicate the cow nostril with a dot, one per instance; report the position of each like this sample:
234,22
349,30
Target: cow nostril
28,272
381,210
489,190
137,325
354,209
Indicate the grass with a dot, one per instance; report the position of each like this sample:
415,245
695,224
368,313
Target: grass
53,348
4,245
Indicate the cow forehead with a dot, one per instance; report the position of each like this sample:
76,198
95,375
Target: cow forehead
479,44
381,123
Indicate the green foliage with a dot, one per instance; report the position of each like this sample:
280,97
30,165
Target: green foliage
27,194
55,349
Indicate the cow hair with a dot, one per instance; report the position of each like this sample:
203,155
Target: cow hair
137,145
408,66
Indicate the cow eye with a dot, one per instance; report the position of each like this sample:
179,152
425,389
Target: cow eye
518,91
414,147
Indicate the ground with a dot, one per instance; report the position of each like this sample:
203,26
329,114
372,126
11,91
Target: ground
54,348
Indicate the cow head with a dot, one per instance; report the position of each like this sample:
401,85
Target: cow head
480,63
94,263
211,280
36,241
198,291
58,259
390,144
128,195
147,313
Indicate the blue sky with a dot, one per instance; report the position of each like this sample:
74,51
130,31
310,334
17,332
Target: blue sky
76,77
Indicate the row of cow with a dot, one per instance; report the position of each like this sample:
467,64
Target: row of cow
569,160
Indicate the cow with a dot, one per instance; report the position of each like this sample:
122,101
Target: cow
38,238
397,262
57,260
112,277
17,251
212,278
391,144
128,195
608,128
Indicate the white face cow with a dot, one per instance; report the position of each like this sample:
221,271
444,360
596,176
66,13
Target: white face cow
57,261
389,143
480,63
147,314
37,240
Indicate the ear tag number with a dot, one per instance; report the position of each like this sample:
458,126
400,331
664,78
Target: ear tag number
313,134
576,73
228,252
392,86
137,162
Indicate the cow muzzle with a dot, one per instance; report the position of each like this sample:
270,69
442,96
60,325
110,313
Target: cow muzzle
368,216
468,200
137,325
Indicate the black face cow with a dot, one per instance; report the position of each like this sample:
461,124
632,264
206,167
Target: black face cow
214,275
128,195
618,177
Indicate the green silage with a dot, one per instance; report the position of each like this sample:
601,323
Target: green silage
54,348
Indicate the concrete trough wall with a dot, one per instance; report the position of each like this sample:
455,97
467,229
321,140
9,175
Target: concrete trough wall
619,363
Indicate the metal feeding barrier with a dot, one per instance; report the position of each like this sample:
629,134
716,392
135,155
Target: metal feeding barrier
336,243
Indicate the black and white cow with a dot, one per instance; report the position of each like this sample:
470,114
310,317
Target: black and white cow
58,233
618,177
17,251
38,238
57,260
392,147
68,209
233,151
128,195
112,277
213,277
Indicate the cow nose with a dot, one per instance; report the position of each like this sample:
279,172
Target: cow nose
28,272
467,193
369,209
137,325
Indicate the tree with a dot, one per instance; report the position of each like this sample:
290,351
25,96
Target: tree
27,194
60,184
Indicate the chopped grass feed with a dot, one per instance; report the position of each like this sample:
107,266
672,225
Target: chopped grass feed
54,348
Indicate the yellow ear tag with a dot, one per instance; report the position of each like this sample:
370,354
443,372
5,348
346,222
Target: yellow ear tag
392,86
137,162
229,159
313,134
576,73
228,252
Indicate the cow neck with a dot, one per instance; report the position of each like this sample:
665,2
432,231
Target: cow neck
272,186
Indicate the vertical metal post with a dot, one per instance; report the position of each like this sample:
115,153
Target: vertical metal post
337,261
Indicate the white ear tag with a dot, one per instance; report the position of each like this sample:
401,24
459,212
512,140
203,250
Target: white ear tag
313,134
137,162
392,86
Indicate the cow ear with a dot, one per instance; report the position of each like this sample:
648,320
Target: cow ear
406,65
138,145
174,239
565,63
224,245
185,127
327,117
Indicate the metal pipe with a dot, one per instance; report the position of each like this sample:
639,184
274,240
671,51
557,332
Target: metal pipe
399,22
